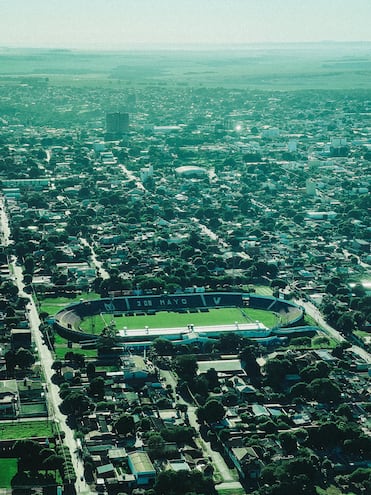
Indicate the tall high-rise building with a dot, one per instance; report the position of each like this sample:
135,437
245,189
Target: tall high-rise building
117,122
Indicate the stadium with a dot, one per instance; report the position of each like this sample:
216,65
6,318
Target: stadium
120,313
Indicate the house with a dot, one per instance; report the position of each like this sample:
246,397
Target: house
245,459
68,373
259,410
168,416
136,371
243,389
30,389
178,465
105,471
117,455
9,399
224,367
141,467
20,337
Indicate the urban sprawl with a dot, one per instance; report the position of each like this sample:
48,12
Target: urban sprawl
161,194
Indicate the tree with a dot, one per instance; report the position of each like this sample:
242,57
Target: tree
290,477
229,342
156,445
345,323
212,378
9,289
90,370
248,357
27,278
10,362
43,315
230,399
338,351
57,366
276,370
29,265
96,387
346,411
299,390
124,424
28,453
324,390
359,290
251,157
212,412
145,424
331,288
106,343
75,358
178,434
53,462
24,358
163,347
183,483
186,366
76,403
317,370
288,442
277,282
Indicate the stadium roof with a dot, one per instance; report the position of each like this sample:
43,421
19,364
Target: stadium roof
256,327
191,171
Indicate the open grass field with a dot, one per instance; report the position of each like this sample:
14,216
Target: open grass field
8,469
363,335
332,490
52,305
34,409
164,319
230,491
60,345
60,351
25,429
261,290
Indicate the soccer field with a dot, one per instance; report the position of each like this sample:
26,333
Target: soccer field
165,319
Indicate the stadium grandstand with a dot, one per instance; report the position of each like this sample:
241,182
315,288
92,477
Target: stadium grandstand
289,316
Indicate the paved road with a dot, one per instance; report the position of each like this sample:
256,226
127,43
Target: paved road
214,237
315,313
228,479
317,316
132,177
46,360
361,263
98,264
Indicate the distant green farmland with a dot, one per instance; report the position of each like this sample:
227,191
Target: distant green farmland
340,66
165,319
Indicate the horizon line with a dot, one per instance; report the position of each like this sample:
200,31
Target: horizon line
180,46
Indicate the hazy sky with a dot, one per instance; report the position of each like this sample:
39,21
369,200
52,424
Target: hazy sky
123,23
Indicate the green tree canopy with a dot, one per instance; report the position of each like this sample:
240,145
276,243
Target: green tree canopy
186,366
96,387
183,483
212,412
24,358
125,424
76,403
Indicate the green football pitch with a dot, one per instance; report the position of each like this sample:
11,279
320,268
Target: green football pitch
165,319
